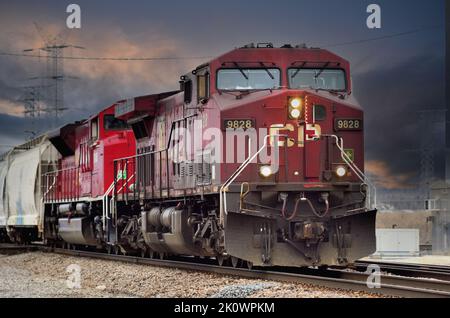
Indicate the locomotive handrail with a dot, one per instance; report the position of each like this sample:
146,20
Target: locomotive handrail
55,174
48,190
166,150
107,208
361,175
250,158
58,171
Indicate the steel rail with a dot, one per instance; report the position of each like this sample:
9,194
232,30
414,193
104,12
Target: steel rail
9,249
422,283
440,272
399,286
332,278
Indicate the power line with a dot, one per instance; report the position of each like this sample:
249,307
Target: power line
108,58
174,58
389,36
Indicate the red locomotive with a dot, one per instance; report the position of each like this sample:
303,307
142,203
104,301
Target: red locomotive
75,192
258,158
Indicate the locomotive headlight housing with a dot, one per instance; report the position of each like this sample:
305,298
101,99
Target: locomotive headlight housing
265,171
295,107
295,102
341,171
295,113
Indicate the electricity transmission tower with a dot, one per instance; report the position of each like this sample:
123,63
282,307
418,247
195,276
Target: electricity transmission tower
33,104
52,82
427,147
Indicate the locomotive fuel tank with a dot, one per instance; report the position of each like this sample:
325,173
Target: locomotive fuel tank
78,231
168,230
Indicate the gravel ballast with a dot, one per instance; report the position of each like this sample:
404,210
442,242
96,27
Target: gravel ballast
38,274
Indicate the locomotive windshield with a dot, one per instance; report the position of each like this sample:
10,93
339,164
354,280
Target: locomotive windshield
328,79
112,123
240,79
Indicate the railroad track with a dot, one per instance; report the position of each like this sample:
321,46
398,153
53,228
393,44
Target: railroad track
14,249
341,279
331,278
439,272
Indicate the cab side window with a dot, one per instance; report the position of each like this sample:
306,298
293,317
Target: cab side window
202,87
187,86
94,129
110,122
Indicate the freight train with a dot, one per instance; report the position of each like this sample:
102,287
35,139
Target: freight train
257,160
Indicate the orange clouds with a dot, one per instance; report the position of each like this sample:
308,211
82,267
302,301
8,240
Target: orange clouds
92,84
11,108
156,75
383,177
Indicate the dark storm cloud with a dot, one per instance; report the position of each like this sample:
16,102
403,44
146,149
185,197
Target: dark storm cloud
8,91
393,99
14,130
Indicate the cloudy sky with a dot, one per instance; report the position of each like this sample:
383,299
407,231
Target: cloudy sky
397,70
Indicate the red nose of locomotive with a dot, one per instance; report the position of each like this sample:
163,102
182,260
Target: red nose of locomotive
304,124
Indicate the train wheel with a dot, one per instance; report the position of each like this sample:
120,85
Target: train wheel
152,254
143,253
249,265
109,249
117,250
236,262
162,256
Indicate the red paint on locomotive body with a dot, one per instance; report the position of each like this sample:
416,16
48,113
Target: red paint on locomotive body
271,108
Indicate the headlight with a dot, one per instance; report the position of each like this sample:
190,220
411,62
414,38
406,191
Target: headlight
265,171
341,171
295,113
296,103
295,108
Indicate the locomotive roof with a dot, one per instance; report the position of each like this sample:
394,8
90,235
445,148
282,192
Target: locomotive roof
283,55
